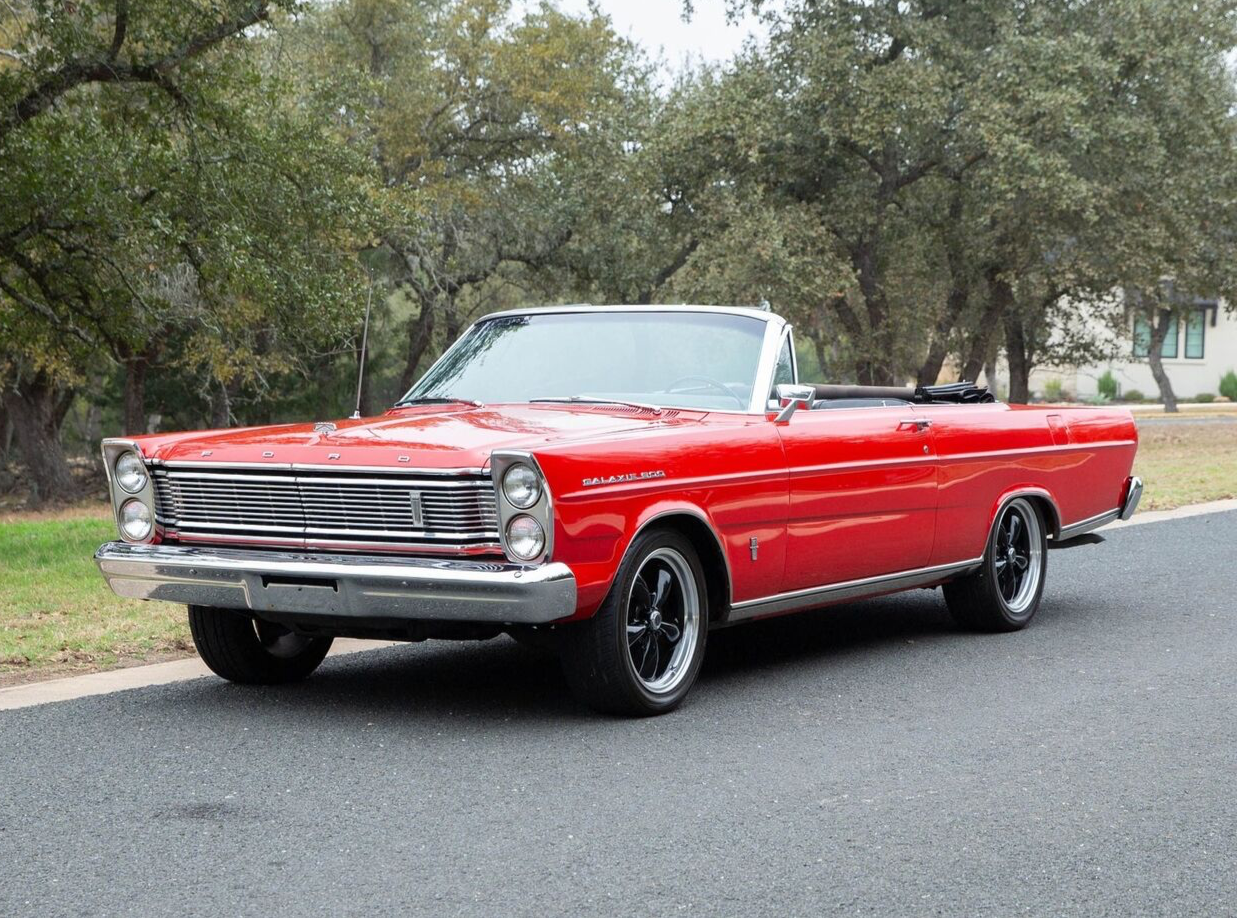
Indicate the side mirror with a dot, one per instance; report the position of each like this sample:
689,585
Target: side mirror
790,397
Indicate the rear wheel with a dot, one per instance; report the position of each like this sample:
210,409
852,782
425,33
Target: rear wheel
640,654
1004,594
248,650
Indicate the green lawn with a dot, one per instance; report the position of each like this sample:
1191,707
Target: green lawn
1186,462
56,613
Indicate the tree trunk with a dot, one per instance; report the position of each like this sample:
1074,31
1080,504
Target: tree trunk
221,408
1019,366
1159,331
134,419
990,373
955,303
36,410
874,366
453,325
1000,301
6,434
420,339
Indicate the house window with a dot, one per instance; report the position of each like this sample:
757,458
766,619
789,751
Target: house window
1195,333
1142,338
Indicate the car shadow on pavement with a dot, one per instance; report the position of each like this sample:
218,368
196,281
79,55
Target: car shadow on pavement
501,680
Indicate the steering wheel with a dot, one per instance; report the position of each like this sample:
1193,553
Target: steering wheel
711,383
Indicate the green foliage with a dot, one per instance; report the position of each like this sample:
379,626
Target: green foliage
165,205
490,130
199,197
1106,385
1205,398
1228,386
1133,395
1052,390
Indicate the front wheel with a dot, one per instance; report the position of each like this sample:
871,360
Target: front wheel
640,654
251,651
1004,594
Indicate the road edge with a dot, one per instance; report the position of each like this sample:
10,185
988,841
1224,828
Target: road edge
69,688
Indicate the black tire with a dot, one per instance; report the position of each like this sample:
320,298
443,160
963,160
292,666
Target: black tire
598,655
988,600
250,651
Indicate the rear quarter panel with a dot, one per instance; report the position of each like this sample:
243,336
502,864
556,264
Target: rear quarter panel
1080,458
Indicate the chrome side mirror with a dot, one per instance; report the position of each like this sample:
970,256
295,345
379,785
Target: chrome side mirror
789,397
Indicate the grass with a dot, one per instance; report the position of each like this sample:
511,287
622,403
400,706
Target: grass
58,617
1186,462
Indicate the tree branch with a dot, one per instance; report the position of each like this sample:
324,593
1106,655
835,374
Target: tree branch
122,25
82,71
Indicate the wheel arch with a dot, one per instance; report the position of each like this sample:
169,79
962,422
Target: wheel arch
694,525
1040,497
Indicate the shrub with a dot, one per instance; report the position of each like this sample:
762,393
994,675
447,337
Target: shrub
1228,386
1205,397
1052,390
1107,385
1133,395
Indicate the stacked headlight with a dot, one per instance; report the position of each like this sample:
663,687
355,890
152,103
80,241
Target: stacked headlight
522,486
135,520
525,537
130,472
525,514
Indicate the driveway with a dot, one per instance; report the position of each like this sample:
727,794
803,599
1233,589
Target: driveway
864,759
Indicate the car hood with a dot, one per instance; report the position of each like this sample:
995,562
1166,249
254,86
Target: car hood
437,437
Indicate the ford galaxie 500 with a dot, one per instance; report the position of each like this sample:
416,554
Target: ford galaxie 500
616,482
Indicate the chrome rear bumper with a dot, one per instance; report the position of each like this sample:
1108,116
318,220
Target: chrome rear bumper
340,586
1133,494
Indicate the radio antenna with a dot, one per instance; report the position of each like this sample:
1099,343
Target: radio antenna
360,379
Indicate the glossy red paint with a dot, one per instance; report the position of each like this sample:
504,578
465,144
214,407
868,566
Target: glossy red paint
831,496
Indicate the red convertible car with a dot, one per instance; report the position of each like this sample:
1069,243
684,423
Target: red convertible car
616,482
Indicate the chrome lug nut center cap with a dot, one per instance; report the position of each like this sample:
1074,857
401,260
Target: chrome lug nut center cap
654,620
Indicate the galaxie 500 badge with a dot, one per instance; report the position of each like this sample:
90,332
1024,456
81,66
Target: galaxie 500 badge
618,479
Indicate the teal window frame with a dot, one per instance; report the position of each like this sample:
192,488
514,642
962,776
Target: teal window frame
1196,334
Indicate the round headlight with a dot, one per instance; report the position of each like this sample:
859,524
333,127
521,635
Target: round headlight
135,520
131,472
522,486
525,538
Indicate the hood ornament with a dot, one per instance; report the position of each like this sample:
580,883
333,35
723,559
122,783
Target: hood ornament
324,427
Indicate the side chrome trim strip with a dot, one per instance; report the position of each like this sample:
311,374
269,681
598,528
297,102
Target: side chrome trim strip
850,589
1091,522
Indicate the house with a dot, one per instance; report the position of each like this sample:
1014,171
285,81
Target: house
1197,352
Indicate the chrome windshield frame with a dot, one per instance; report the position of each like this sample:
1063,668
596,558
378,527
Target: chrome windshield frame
776,330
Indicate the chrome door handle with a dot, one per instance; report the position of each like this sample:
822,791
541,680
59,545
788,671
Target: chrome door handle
915,424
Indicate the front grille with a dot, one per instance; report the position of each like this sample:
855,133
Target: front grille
326,507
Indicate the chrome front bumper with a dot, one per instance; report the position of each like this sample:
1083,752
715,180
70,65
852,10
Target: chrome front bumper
340,586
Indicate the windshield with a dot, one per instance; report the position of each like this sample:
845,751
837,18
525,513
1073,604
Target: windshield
676,359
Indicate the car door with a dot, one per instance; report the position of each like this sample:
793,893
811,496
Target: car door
863,494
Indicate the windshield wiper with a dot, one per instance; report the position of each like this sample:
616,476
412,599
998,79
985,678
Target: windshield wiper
590,400
407,402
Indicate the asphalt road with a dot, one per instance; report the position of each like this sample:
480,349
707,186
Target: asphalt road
868,759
